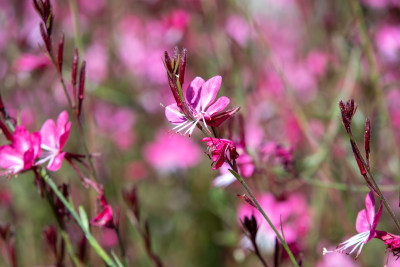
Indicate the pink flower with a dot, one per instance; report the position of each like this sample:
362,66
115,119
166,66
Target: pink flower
105,217
292,213
54,138
168,153
30,62
22,153
221,151
200,96
366,223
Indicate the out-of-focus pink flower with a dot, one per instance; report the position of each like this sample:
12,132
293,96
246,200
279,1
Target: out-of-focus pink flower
317,62
116,122
54,138
105,217
387,39
96,66
380,3
220,150
168,153
245,166
366,223
292,213
30,62
200,96
276,153
238,29
21,154
336,260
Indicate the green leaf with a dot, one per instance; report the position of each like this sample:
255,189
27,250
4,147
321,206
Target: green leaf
84,218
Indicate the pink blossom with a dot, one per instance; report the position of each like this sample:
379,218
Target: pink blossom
336,260
117,123
220,150
21,154
200,96
366,223
54,138
105,217
387,40
168,152
30,62
292,213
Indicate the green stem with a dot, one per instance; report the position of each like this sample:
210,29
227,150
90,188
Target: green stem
285,245
92,241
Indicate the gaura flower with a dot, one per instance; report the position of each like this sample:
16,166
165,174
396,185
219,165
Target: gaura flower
54,138
366,223
220,150
200,96
21,154
105,217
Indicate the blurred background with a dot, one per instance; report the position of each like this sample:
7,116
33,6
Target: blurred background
285,63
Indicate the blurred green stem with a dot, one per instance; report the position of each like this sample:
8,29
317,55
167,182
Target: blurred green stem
85,228
281,239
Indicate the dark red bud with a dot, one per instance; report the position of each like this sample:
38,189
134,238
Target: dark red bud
45,37
367,137
60,53
168,63
357,156
81,87
75,67
5,131
182,66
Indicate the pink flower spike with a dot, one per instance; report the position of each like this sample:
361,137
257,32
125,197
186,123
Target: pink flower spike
22,153
54,138
201,106
220,151
366,223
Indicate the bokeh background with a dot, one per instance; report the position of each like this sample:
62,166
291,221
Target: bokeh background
285,63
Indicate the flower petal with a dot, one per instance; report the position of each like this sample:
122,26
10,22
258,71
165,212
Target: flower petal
22,140
218,105
370,207
49,134
362,223
193,92
11,159
375,223
56,162
35,143
209,91
174,115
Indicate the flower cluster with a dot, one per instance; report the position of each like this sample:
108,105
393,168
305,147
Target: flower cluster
28,150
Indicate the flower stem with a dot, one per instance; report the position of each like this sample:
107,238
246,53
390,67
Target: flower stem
385,203
92,241
285,245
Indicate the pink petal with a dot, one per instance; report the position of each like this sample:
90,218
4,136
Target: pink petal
193,92
55,163
62,121
104,218
370,207
22,141
218,105
362,223
9,158
375,222
49,134
64,137
173,114
35,143
209,91
28,158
